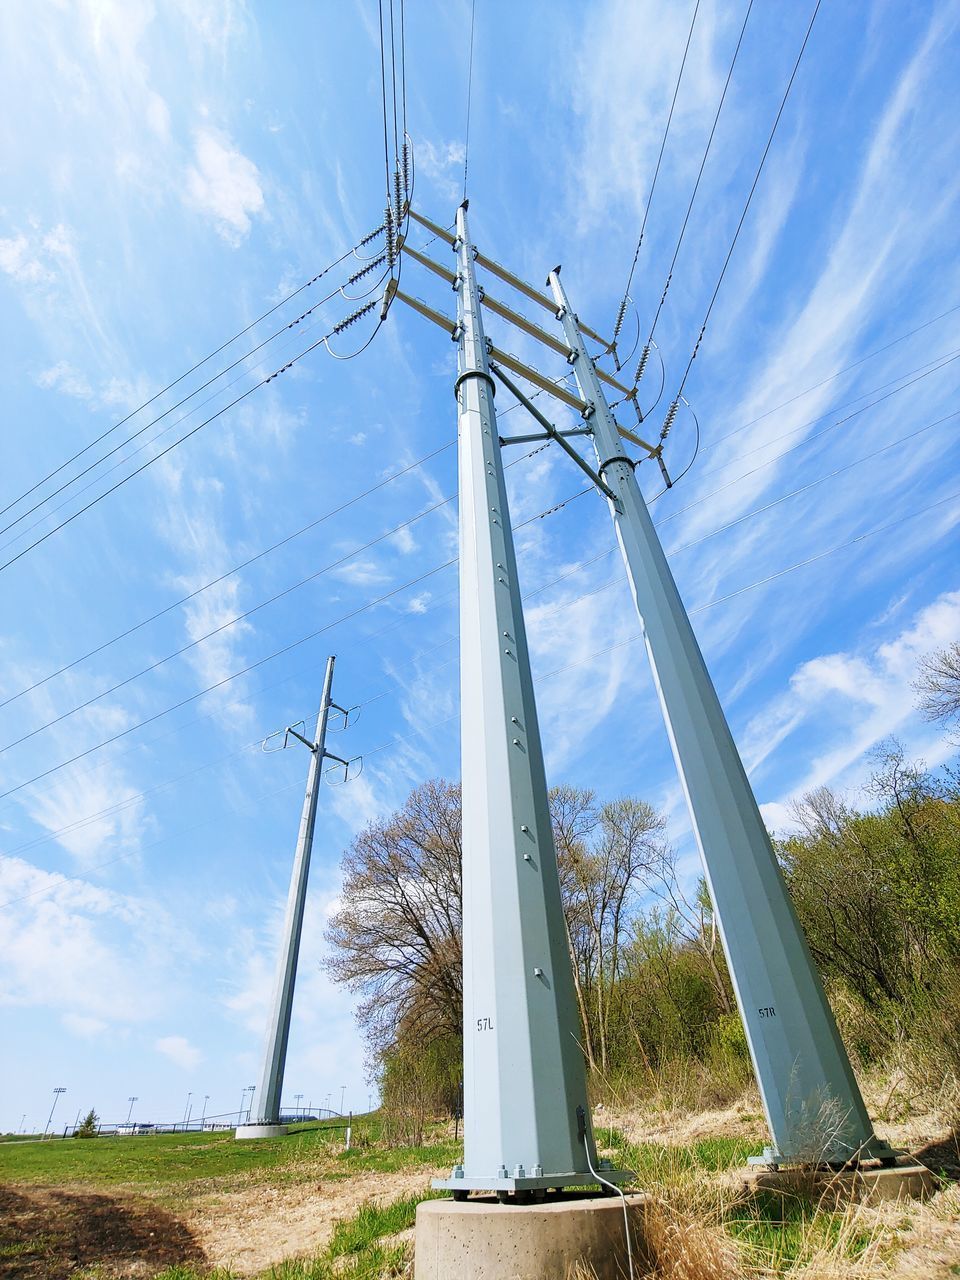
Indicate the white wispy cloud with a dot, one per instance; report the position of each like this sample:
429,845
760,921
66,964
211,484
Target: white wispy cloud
81,950
849,702
441,163
223,183
180,1051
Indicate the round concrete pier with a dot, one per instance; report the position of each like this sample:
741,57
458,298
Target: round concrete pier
483,1240
260,1131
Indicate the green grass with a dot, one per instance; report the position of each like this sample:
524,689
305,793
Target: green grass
176,1159
774,1232
779,1231
656,1159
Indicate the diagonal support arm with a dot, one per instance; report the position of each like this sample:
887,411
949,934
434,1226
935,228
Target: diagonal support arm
553,433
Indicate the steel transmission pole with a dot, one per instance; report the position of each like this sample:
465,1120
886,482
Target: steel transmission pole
266,1108
811,1098
526,1119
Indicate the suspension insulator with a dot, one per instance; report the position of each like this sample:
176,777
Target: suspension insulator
373,235
619,324
390,232
642,364
354,317
365,271
406,169
669,420
398,193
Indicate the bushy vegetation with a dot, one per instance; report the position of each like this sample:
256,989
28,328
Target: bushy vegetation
876,886
87,1128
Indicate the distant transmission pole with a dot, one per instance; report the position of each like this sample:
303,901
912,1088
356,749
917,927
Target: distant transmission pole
266,1108
810,1094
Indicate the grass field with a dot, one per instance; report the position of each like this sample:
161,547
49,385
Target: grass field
151,1199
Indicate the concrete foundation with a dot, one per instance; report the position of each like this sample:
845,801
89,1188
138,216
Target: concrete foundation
259,1131
906,1180
480,1239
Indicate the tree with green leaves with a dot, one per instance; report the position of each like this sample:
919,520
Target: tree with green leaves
87,1128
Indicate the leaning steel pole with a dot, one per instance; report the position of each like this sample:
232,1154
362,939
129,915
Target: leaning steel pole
812,1101
526,1120
266,1107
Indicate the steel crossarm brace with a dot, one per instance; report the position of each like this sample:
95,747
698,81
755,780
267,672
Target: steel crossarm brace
639,441
553,433
508,361
542,435
538,379
508,277
500,308
513,317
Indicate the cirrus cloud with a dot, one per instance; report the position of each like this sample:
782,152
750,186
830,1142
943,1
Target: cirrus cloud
225,184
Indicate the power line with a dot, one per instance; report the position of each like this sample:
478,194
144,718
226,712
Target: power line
750,586
383,89
841,546
163,452
180,403
219,684
240,617
890,389
287,648
258,556
237,568
170,385
160,662
293,675
128,801
776,458
833,376
760,582
561,608
831,475
531,520
466,134
231,622
626,293
260,364
696,187
393,86
746,207
403,64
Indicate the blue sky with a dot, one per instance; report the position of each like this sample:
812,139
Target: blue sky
173,170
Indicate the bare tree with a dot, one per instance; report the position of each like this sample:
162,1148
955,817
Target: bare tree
605,853
396,935
938,684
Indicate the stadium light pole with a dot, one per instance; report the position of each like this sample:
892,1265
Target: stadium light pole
56,1098
131,1100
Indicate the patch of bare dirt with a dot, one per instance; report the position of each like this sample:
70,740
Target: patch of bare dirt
49,1234
250,1230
